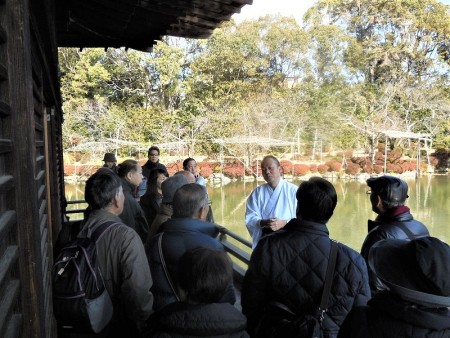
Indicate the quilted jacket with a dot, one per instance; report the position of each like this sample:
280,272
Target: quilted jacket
386,315
289,266
197,320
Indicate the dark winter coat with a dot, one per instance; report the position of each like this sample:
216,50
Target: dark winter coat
179,236
386,315
201,320
149,166
388,225
289,266
150,204
132,214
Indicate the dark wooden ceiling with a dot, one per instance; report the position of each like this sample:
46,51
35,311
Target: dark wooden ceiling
138,23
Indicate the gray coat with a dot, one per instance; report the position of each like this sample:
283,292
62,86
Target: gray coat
124,266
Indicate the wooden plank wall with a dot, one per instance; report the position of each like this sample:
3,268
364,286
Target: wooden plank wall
30,167
11,317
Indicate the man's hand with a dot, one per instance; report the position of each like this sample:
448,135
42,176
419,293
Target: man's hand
273,223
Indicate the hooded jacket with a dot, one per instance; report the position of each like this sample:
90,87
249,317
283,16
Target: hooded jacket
179,236
289,267
386,315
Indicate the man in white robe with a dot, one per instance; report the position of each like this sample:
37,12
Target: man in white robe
271,205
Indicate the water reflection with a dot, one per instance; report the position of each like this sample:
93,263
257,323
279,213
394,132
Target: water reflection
429,200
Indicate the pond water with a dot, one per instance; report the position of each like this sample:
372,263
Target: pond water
429,200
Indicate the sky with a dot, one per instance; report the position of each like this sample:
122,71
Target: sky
295,8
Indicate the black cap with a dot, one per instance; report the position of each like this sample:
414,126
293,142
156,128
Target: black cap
391,189
415,270
109,157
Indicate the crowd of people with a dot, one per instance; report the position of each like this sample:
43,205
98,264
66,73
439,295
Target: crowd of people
168,274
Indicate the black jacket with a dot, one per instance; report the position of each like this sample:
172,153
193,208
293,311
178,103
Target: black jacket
179,236
149,166
150,204
386,226
200,320
289,266
132,214
386,315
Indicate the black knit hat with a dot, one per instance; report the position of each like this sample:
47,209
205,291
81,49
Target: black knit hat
418,270
391,189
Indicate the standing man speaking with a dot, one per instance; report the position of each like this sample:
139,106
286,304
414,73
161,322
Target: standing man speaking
271,205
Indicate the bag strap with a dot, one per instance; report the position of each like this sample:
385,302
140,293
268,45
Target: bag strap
405,229
163,263
324,302
101,229
329,276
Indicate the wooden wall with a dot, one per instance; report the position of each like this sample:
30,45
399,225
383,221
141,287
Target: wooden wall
31,186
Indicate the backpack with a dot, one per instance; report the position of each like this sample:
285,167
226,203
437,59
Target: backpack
80,301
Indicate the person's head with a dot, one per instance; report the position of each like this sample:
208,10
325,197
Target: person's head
417,271
189,176
155,179
190,201
271,170
190,165
387,192
130,171
109,159
316,200
206,275
103,190
170,186
153,154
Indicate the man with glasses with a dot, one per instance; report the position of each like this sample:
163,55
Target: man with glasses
153,162
387,196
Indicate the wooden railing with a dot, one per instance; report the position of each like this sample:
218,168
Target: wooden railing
230,240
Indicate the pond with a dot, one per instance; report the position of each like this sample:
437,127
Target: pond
429,200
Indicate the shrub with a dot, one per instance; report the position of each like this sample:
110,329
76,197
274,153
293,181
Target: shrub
377,169
322,168
300,169
287,166
367,168
233,171
352,168
334,165
408,166
204,169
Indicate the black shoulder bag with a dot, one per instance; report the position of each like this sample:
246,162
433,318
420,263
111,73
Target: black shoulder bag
279,321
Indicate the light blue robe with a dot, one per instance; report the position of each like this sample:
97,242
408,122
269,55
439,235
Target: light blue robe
265,202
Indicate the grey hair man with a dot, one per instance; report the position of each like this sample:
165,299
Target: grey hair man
120,254
168,188
186,230
387,196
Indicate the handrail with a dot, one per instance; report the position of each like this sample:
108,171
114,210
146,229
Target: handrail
242,257
75,211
